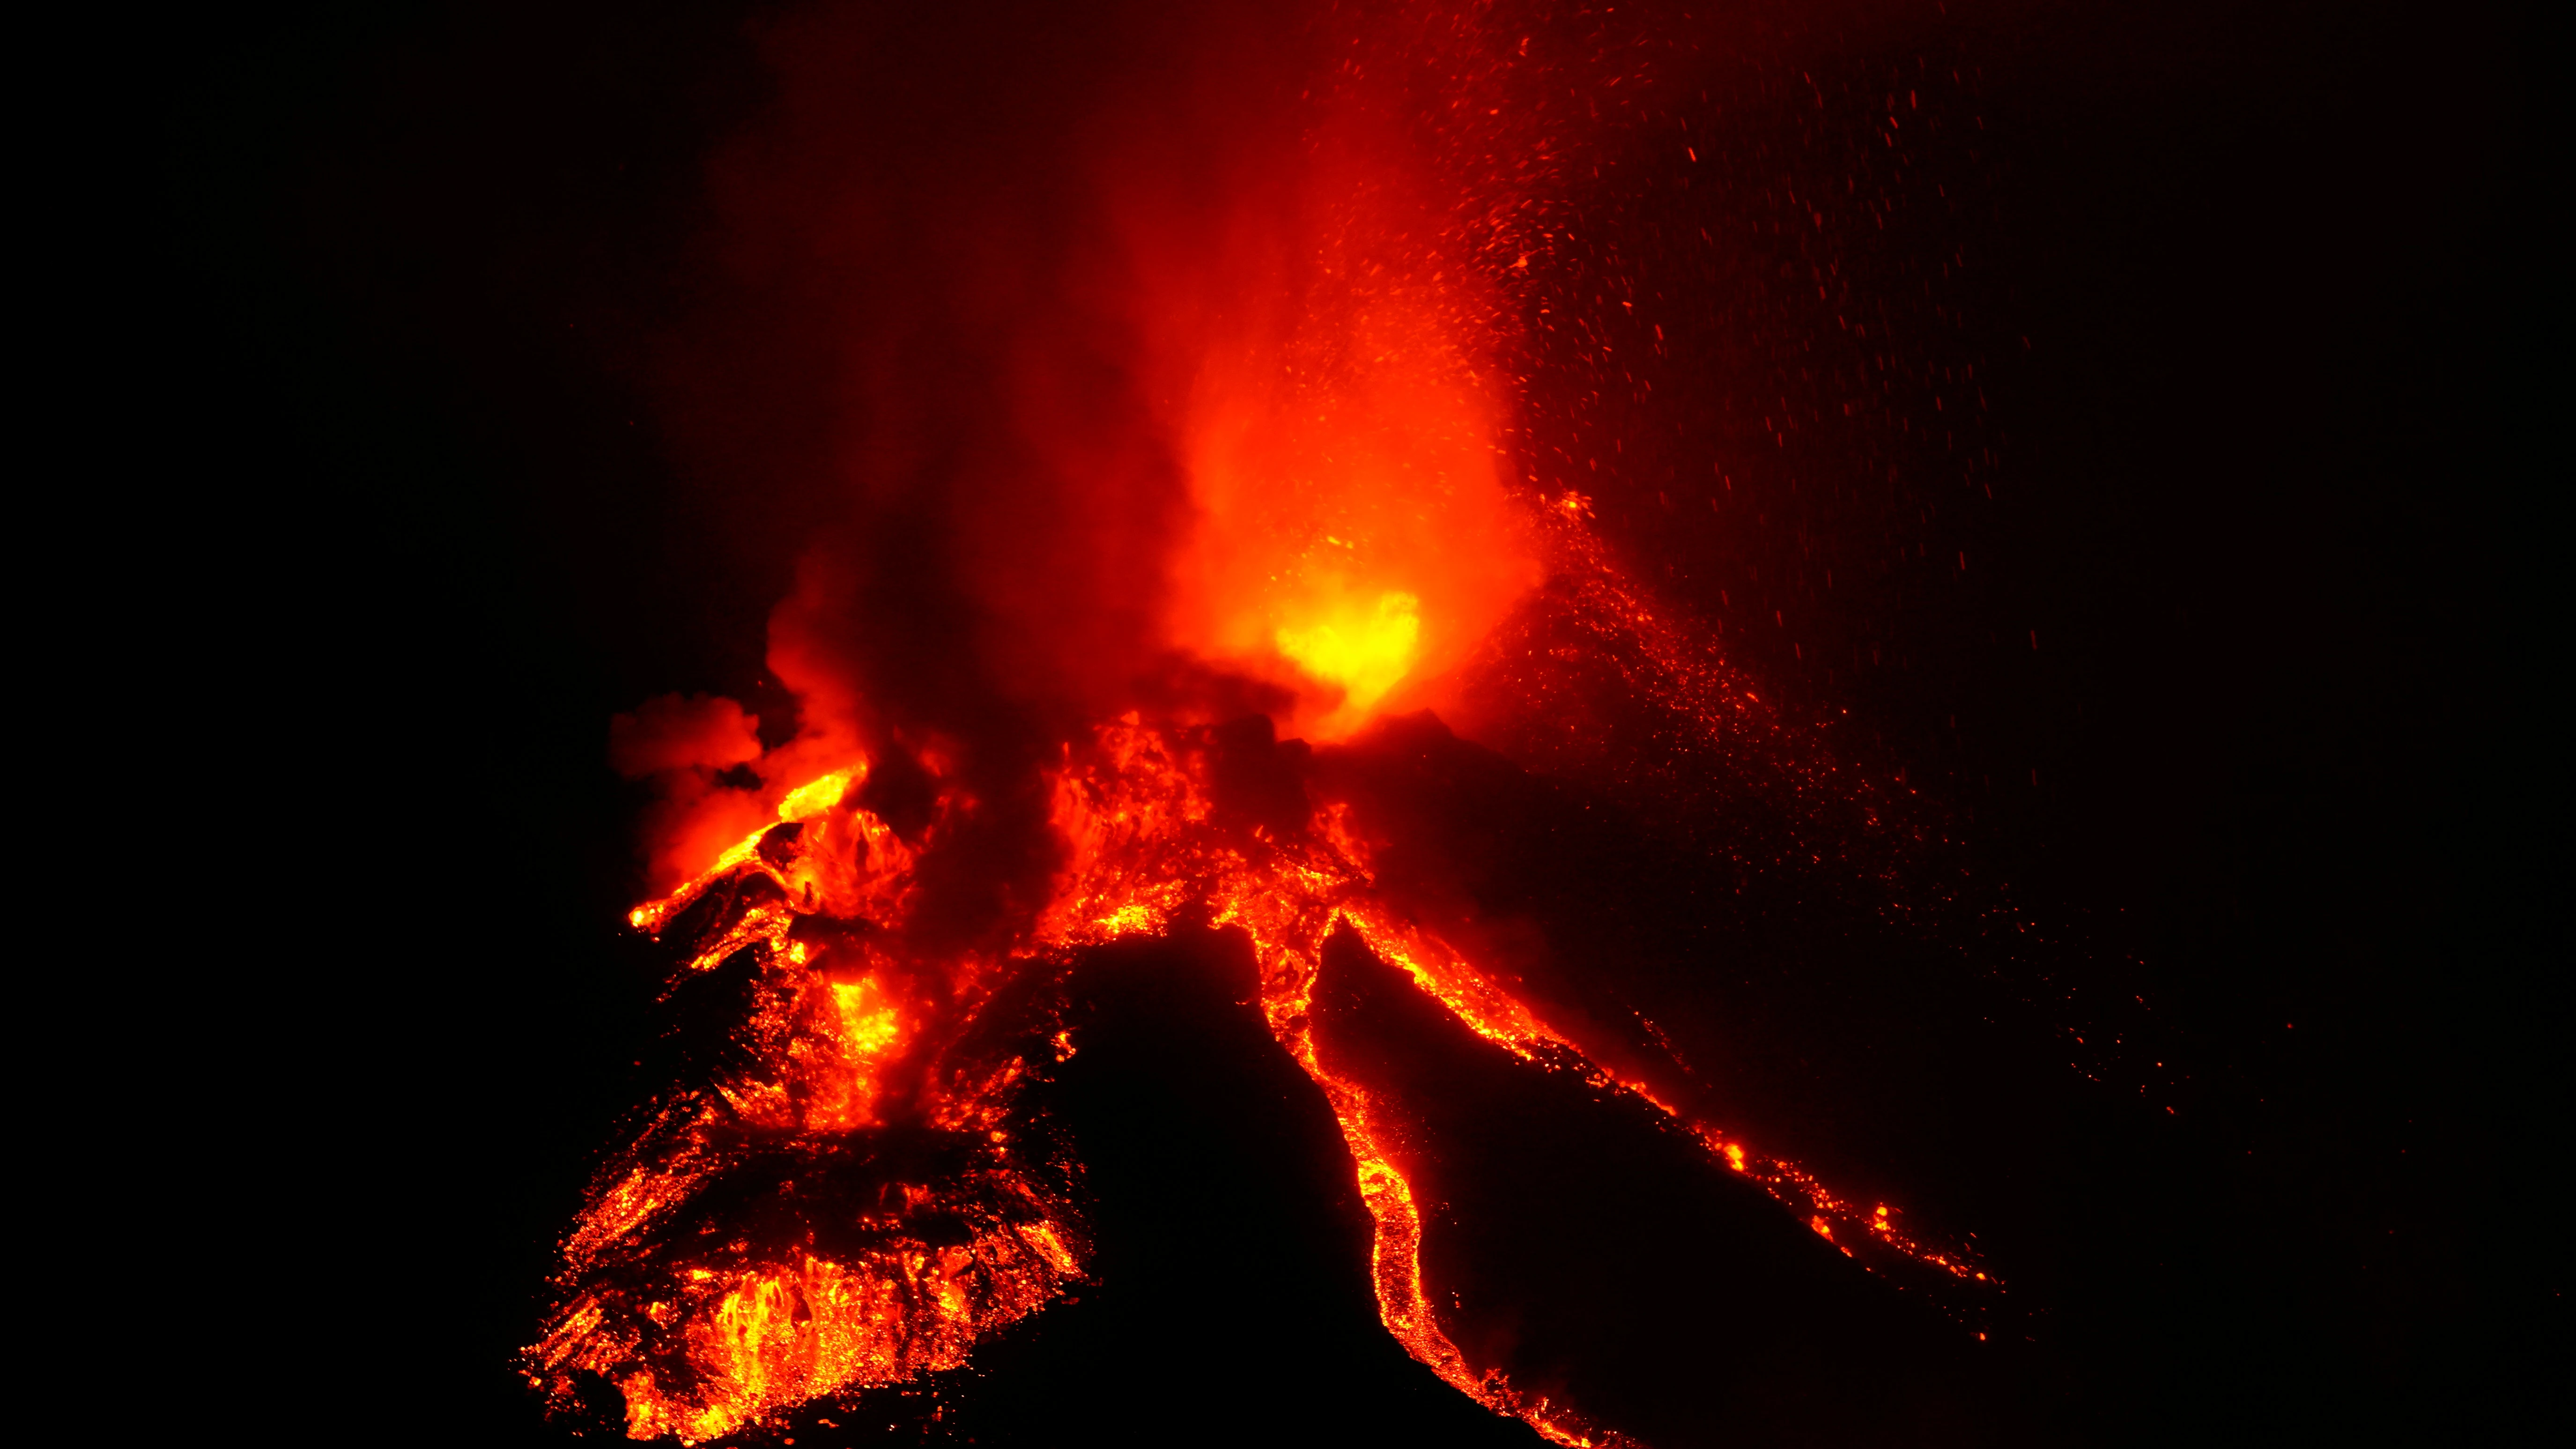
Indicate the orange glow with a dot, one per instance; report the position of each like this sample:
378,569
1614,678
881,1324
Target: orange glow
807,801
1363,650
1338,422
868,1024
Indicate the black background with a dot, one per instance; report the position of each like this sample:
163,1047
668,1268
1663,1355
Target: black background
2268,492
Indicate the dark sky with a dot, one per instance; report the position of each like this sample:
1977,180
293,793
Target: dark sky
2257,295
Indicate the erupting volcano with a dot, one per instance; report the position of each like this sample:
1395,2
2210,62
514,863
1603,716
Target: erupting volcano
1250,457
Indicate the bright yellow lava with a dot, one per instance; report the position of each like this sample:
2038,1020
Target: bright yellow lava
868,1023
809,800
1363,650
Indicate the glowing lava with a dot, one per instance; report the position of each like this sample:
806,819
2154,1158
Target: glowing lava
854,1198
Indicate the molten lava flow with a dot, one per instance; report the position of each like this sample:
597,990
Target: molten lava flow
844,1201
855,1196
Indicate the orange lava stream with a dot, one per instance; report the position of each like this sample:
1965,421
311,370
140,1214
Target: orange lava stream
704,1334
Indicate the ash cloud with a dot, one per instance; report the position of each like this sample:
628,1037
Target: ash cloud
921,363
682,732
